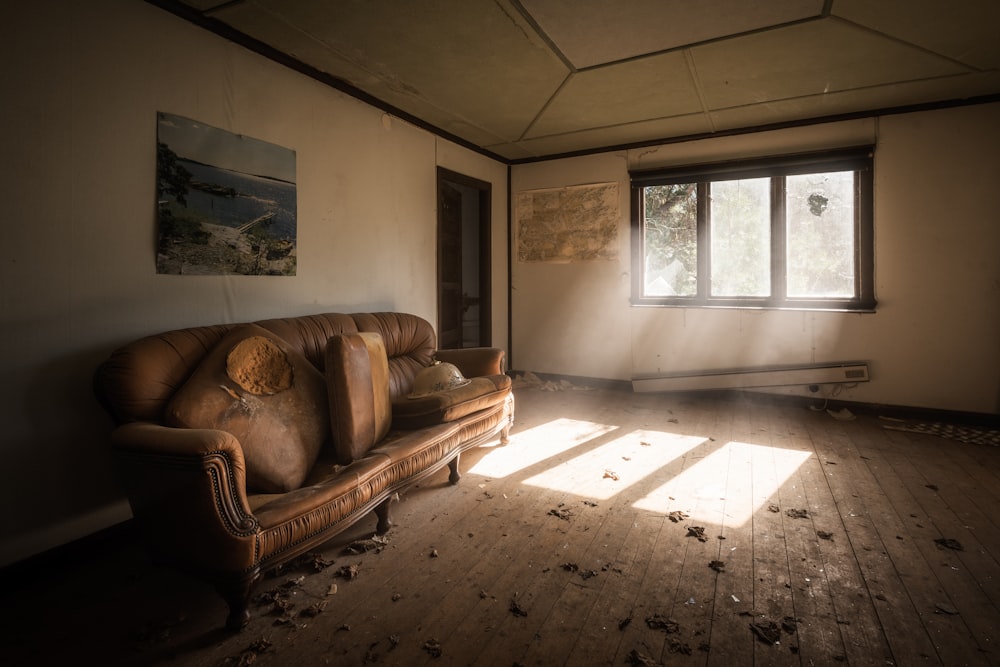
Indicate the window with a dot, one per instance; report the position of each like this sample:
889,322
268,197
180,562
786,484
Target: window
785,232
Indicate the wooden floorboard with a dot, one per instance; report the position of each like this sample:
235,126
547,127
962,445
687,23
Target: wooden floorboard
840,541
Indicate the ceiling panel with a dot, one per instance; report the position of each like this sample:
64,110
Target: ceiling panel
636,90
848,101
966,30
529,79
591,32
808,59
432,53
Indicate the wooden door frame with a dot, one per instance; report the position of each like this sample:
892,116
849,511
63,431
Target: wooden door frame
485,189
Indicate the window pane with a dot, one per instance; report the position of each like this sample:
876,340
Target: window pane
670,240
820,228
741,237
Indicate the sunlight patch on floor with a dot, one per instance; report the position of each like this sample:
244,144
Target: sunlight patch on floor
534,445
613,467
719,488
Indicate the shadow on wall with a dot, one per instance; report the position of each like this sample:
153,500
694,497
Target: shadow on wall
59,468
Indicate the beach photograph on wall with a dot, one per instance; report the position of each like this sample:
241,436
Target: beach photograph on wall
226,203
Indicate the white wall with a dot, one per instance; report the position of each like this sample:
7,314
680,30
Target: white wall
82,86
934,341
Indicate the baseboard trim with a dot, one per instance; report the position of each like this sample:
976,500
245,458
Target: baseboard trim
858,407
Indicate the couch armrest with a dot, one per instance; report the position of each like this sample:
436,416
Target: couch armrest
474,361
187,489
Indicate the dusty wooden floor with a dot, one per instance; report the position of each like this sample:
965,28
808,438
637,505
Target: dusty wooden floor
614,529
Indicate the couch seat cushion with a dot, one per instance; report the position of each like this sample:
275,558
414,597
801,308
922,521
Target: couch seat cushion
452,404
254,386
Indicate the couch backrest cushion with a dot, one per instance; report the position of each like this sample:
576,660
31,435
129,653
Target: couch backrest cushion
281,433
409,344
138,379
357,386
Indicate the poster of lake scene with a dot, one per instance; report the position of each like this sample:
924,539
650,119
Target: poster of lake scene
226,203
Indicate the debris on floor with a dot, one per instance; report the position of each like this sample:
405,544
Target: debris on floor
610,474
433,648
516,609
313,610
659,622
155,632
823,535
773,508
767,631
313,561
375,543
843,414
348,571
563,513
943,608
697,531
639,659
624,623
797,513
677,646
948,543
717,565
248,655
677,516
529,379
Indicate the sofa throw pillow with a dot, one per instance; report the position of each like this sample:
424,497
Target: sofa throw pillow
357,386
256,387
451,404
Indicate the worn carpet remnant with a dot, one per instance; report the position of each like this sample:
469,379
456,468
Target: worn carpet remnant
969,434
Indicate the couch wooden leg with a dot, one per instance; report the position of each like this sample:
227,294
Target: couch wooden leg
382,512
237,596
453,467
505,431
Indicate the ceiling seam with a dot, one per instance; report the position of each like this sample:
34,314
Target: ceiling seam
908,44
693,71
222,5
703,42
544,36
545,106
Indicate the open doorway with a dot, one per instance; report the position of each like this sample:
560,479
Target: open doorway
463,259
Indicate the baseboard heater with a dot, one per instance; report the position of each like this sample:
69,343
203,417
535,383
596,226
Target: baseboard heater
771,376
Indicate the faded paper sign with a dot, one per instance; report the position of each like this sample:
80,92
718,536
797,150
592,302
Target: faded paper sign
572,224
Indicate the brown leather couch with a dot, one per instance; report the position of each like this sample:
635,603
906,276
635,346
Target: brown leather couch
232,472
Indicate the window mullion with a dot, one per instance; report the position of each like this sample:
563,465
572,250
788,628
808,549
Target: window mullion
779,243
704,238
